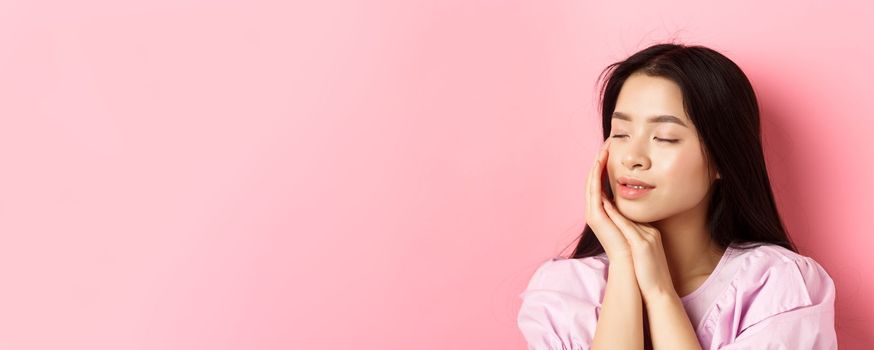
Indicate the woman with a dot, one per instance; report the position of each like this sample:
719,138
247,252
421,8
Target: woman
692,242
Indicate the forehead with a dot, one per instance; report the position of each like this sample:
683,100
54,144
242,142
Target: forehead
643,96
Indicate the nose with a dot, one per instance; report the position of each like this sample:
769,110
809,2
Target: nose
635,156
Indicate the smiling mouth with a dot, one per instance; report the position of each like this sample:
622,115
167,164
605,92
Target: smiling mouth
636,187
631,192
633,183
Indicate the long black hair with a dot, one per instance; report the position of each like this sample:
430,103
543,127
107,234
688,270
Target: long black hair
720,101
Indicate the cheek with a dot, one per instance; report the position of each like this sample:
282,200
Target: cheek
685,170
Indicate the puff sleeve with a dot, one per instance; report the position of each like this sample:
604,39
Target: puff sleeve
789,306
561,305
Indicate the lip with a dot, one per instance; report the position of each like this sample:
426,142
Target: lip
624,180
632,193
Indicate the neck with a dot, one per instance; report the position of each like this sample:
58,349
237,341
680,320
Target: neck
689,250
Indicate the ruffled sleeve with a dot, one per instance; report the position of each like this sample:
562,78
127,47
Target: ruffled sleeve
561,305
785,305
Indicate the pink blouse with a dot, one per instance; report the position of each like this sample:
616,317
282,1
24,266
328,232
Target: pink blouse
766,297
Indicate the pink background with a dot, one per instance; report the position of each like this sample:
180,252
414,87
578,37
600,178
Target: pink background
369,175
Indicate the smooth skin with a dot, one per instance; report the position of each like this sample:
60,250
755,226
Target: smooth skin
620,324
654,140
638,277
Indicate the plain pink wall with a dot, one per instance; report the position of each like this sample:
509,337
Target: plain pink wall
368,175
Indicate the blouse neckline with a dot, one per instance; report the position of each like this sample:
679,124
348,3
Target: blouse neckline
711,277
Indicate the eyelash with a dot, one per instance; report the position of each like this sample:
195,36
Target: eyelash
658,139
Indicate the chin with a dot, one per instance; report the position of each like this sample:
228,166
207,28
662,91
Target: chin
638,212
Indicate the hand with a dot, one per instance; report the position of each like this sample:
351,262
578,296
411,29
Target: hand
611,238
647,254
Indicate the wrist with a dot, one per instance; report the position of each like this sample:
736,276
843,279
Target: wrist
621,262
619,256
659,298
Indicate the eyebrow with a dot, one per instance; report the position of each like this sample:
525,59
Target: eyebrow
655,119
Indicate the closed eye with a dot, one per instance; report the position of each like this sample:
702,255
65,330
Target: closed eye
618,136
667,140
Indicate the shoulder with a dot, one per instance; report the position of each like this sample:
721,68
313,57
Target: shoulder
561,306
771,281
583,276
772,264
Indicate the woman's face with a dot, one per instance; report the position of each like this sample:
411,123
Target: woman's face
653,141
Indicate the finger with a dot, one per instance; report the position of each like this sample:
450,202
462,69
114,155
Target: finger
589,185
589,196
611,227
626,226
598,169
593,189
648,230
